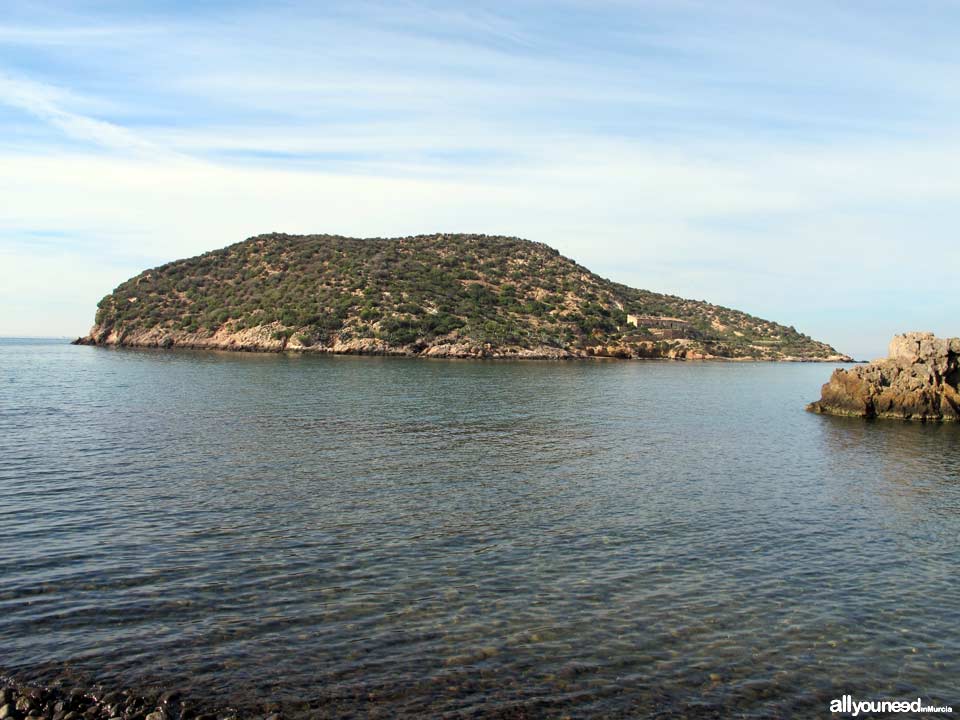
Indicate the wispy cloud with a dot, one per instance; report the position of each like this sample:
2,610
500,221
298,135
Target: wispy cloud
44,103
69,36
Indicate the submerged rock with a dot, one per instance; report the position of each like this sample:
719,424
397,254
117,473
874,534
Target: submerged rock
918,381
89,702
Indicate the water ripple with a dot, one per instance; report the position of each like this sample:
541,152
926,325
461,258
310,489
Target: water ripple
388,537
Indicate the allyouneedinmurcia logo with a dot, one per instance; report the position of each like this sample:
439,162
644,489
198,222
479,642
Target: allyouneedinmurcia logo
848,706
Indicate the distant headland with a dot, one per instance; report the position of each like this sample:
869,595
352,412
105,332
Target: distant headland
444,295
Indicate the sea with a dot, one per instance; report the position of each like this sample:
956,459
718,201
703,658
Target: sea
393,537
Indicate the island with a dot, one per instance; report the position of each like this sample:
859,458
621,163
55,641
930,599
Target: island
441,295
918,381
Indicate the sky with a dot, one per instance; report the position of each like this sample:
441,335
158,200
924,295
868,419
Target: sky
795,160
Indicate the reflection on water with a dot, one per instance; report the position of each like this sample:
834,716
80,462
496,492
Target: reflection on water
910,474
363,535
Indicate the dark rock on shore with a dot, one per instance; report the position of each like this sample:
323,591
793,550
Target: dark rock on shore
918,381
19,701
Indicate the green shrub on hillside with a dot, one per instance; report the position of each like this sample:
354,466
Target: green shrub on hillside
496,290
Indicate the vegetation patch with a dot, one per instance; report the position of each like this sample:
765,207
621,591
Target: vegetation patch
414,292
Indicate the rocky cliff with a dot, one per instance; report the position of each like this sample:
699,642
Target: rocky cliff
428,295
919,380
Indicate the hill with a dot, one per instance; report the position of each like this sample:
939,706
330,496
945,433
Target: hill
430,295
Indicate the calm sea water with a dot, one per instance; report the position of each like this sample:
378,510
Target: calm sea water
391,537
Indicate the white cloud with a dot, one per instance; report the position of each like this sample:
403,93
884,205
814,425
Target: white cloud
45,103
643,216
71,36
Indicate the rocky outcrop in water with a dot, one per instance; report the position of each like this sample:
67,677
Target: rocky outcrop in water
918,381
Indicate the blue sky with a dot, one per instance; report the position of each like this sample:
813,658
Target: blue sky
794,160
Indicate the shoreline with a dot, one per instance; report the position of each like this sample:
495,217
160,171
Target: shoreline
449,352
66,697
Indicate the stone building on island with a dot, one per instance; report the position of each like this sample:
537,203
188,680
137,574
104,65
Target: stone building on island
663,327
650,321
